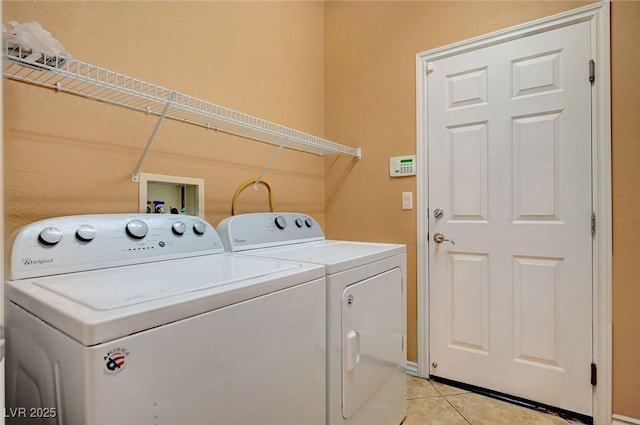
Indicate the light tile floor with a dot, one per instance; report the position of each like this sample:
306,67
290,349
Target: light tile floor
433,403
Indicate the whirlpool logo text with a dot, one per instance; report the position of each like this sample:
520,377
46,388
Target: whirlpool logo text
36,261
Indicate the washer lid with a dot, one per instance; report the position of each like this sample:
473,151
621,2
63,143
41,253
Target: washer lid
101,305
336,256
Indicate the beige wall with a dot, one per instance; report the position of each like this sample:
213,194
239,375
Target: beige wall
344,70
370,101
67,155
625,94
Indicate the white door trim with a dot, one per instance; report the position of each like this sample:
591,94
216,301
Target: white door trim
598,15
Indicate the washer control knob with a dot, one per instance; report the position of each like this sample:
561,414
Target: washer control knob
86,233
178,228
50,235
199,228
308,222
137,229
281,223
299,222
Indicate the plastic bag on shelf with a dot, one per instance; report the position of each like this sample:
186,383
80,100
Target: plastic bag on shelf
30,42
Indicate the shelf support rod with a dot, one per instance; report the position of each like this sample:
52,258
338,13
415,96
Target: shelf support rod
135,175
266,167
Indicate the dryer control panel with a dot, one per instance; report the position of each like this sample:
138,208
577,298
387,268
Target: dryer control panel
88,242
263,230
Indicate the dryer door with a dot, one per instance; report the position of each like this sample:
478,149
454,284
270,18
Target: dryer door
372,338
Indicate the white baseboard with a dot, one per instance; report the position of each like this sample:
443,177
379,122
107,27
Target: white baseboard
412,368
623,420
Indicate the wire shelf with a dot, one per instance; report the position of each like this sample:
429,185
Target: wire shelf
93,82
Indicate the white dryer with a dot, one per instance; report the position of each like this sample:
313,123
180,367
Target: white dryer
144,319
366,310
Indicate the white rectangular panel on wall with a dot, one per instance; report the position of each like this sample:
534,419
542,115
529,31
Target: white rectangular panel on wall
186,194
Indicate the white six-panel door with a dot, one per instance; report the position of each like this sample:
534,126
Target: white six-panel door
509,148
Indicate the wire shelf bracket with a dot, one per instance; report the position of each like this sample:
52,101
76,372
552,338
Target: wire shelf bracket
267,166
83,79
135,175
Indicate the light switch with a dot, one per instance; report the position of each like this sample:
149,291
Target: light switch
407,200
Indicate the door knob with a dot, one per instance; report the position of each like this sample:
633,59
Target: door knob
439,238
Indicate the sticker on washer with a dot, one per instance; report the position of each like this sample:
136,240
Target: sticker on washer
115,360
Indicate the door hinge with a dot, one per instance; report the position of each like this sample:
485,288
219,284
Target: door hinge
592,71
593,224
594,374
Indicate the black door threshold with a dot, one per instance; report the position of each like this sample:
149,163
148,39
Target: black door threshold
565,414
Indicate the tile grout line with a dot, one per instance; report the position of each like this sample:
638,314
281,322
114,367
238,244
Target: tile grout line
450,404
456,409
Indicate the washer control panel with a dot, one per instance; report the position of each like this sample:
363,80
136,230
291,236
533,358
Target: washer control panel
89,242
262,230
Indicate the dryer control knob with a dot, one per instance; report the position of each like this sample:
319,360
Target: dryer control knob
308,222
50,235
137,229
299,222
281,223
86,233
199,228
179,228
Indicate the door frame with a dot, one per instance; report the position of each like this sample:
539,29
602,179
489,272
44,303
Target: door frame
598,15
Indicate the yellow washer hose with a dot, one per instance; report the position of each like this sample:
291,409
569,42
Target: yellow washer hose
243,186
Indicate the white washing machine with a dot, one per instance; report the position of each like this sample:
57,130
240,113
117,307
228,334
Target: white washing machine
144,319
366,310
